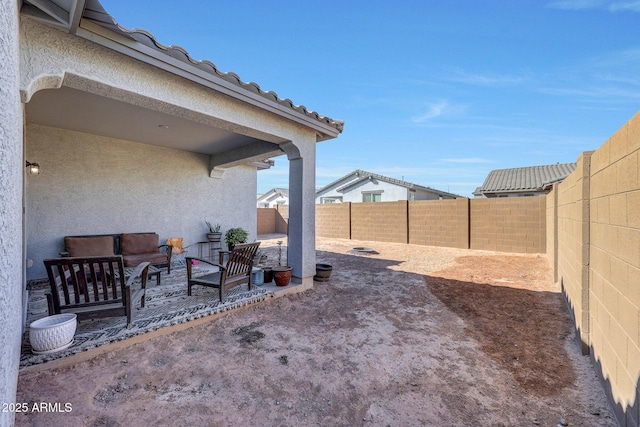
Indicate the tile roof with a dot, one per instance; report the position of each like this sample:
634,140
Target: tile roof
96,13
532,178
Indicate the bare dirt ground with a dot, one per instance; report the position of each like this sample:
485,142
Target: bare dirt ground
412,336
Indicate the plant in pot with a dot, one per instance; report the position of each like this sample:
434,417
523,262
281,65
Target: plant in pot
236,235
281,273
259,258
214,234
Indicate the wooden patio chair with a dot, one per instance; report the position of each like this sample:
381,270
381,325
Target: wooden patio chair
236,271
94,287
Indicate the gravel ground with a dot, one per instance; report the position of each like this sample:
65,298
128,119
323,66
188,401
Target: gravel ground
412,335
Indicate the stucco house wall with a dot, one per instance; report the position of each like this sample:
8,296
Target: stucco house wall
93,185
11,179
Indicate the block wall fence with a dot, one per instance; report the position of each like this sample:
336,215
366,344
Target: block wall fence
588,225
593,240
514,224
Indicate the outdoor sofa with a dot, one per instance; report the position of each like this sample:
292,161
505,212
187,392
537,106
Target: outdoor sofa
135,248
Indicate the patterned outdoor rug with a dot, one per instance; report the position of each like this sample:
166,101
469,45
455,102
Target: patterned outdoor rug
165,305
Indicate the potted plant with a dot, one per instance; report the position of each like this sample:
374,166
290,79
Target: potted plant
281,273
214,234
234,236
259,258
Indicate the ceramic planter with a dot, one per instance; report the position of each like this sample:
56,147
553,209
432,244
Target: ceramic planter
52,333
282,275
214,237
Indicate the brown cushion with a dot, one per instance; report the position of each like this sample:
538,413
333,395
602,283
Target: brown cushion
89,246
139,243
154,258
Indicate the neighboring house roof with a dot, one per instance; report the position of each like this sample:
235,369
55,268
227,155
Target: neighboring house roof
361,175
531,178
274,193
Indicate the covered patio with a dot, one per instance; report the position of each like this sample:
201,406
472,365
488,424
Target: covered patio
131,135
167,307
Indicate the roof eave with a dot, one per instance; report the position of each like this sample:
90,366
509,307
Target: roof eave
103,36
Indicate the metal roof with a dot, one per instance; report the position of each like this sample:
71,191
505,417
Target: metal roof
531,178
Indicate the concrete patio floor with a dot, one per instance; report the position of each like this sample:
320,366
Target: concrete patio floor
412,335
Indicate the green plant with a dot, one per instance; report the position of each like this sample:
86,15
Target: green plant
236,235
213,228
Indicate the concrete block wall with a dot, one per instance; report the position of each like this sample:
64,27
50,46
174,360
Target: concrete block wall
282,219
266,221
614,286
510,224
439,223
273,220
552,229
598,262
334,220
382,222
573,244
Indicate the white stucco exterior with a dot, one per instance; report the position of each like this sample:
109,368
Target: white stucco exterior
96,185
11,174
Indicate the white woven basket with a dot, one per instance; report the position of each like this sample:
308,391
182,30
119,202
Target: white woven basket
52,333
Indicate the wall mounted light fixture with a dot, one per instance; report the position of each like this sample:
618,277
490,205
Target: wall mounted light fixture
34,168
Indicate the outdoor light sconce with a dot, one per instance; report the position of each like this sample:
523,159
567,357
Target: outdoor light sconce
34,168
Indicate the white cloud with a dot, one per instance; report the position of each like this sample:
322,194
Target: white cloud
439,109
460,76
576,4
612,6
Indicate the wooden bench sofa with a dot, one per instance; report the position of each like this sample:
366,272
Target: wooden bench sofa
134,248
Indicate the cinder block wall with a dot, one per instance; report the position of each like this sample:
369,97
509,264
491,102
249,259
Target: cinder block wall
282,219
573,244
273,220
333,220
598,262
266,220
552,229
382,222
439,223
510,224
614,297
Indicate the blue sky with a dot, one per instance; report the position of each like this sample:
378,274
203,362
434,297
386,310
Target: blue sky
436,92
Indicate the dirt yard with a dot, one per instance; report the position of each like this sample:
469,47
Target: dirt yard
411,336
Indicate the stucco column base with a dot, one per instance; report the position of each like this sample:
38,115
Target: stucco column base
305,281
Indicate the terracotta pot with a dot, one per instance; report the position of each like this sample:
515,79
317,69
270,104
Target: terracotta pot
282,275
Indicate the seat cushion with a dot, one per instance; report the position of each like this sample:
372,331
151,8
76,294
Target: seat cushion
89,246
154,258
139,243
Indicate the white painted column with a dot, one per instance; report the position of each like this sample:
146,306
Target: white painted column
11,176
301,251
